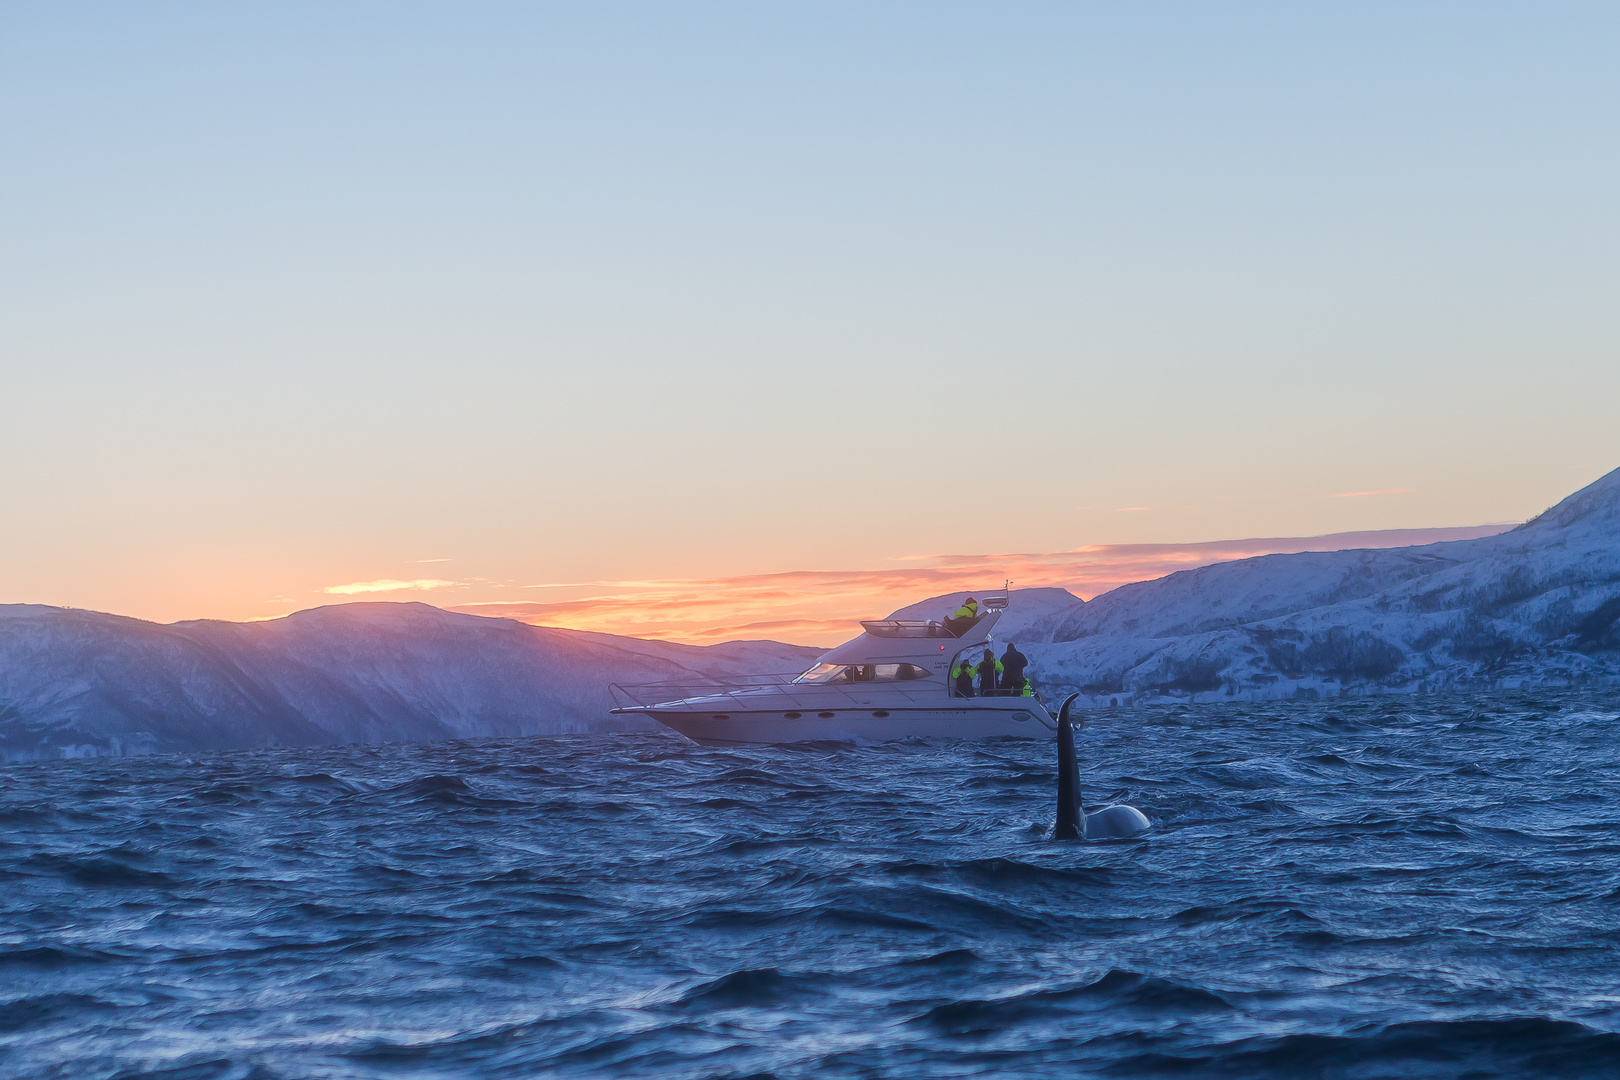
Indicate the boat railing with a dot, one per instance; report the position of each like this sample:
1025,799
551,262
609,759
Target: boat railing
658,693
906,628
651,695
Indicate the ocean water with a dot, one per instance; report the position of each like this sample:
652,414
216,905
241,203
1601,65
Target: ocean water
1396,887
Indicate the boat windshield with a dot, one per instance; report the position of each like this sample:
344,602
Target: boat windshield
839,674
821,673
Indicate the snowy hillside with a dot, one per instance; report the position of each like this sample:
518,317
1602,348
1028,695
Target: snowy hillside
1537,605
78,683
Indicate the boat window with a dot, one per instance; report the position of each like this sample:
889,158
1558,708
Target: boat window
859,673
821,673
898,672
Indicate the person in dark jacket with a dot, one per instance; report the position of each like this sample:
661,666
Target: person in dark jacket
989,674
962,677
1013,664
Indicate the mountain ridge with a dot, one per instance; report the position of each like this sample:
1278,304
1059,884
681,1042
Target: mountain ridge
78,683
1535,605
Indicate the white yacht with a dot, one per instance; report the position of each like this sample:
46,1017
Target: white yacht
892,682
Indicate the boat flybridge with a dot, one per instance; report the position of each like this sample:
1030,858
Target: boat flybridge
892,682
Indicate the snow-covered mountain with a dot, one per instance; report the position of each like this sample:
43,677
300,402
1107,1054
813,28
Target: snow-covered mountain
78,683
1538,605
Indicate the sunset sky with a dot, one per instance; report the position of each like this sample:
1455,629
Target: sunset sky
725,319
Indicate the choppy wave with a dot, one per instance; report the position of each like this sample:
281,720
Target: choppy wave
1364,889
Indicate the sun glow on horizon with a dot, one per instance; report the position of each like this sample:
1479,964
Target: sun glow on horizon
822,607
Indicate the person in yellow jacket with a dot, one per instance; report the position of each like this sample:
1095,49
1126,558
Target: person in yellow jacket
962,677
964,617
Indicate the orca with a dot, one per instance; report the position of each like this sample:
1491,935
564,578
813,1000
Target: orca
1073,823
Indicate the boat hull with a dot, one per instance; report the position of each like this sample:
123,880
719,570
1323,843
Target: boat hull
1022,721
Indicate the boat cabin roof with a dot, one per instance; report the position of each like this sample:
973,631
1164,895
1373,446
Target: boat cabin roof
910,641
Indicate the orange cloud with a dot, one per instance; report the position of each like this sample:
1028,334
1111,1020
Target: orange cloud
822,607
389,585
